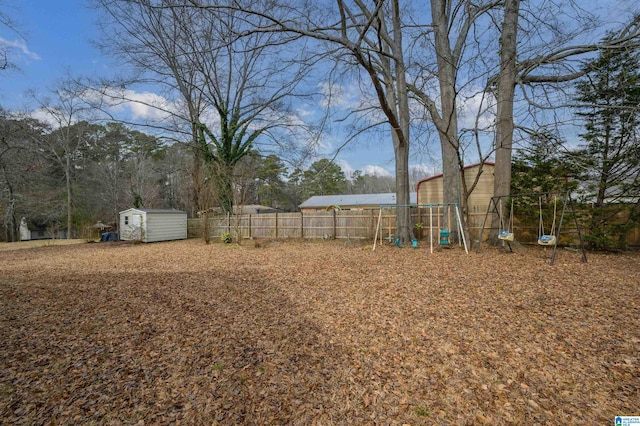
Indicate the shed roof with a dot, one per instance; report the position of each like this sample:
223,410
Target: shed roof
153,210
320,201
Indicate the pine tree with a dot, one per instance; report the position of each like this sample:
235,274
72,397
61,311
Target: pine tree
609,103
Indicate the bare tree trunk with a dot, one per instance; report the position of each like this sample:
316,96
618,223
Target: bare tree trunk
401,145
505,98
9,214
69,196
448,124
196,169
116,206
404,225
11,224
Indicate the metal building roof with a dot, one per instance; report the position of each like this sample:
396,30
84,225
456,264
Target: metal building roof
321,201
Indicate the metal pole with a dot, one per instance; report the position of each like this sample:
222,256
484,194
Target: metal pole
378,228
555,246
431,228
460,230
484,223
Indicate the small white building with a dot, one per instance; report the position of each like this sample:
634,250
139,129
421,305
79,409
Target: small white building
25,233
150,225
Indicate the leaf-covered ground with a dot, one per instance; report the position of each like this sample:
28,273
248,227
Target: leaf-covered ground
316,333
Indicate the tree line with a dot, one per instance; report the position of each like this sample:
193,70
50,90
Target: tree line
72,177
234,73
415,62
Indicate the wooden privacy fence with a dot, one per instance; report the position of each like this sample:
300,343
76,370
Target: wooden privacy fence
355,224
344,224
362,225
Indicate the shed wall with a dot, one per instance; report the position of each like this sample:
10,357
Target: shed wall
127,231
430,191
164,227
482,193
154,225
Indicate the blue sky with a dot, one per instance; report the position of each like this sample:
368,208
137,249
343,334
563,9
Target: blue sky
57,38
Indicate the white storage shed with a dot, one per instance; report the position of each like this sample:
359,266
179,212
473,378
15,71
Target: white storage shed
150,225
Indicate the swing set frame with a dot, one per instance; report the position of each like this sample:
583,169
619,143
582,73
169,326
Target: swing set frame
546,240
436,211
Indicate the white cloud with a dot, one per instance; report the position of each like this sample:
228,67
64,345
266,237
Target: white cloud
422,170
150,105
370,169
20,45
477,103
305,112
339,96
52,117
346,168
378,171
470,102
135,105
141,105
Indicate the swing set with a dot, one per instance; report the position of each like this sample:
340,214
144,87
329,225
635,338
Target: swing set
505,230
550,238
439,215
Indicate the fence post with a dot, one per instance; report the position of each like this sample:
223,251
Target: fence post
301,225
371,227
249,225
276,225
334,223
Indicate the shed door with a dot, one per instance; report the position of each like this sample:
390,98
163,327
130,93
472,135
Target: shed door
136,226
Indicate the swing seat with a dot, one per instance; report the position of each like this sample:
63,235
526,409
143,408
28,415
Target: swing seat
547,240
444,237
506,236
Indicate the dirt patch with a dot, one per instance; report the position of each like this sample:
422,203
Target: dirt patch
316,333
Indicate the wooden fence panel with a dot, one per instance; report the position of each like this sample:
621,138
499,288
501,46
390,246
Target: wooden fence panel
218,225
355,224
362,225
319,224
290,225
332,224
263,225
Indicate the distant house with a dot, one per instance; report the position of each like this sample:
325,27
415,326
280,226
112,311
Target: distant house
150,225
254,209
32,230
25,232
243,209
350,201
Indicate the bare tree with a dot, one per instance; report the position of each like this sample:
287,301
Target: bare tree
451,23
17,176
151,42
7,62
64,112
372,36
233,91
369,36
505,98
556,64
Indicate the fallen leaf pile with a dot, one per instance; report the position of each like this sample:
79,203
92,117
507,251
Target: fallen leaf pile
316,333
